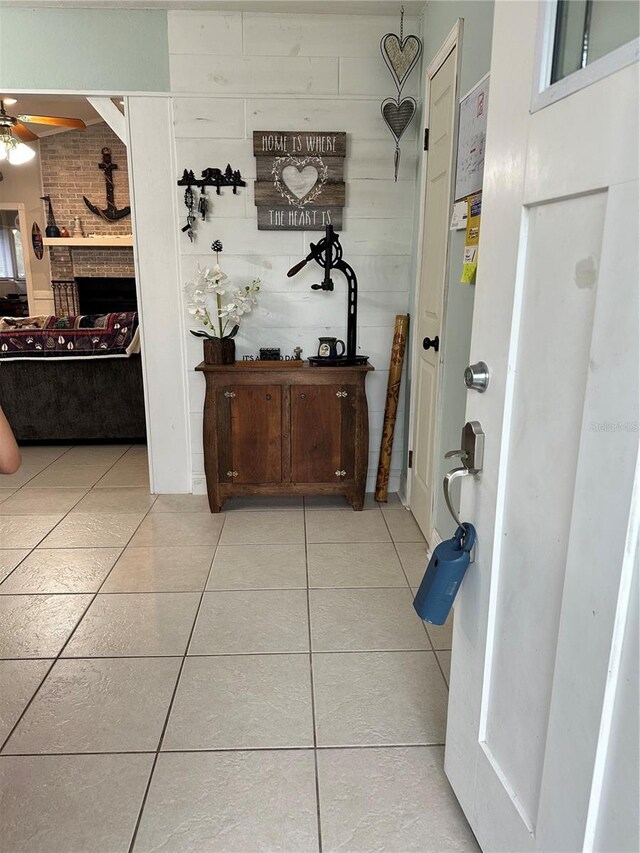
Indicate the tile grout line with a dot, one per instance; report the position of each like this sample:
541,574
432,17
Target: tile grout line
232,749
313,700
234,654
154,763
67,641
173,591
446,682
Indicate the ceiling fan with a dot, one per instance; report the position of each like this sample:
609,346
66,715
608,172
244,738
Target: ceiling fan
13,148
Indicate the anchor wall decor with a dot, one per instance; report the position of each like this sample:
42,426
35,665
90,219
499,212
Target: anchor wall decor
111,212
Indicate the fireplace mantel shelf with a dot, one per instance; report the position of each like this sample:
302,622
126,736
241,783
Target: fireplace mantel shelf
85,242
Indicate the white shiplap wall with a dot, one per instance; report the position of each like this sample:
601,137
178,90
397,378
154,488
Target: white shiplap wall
233,73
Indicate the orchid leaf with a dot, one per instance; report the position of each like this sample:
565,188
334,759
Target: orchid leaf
233,331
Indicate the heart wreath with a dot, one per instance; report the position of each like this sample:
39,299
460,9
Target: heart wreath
299,180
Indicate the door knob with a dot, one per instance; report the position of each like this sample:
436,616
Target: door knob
427,343
476,376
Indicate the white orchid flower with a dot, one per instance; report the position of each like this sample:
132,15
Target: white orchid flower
218,274
229,312
204,303
211,280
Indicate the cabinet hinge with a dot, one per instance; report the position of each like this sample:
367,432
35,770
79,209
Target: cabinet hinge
426,139
411,459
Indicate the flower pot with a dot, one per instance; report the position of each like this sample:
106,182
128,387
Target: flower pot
219,350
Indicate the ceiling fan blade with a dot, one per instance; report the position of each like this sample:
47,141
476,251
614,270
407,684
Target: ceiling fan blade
57,121
23,133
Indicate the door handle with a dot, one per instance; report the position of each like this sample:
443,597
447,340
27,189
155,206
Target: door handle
427,343
449,477
471,455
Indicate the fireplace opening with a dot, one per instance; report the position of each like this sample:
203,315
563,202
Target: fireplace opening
102,295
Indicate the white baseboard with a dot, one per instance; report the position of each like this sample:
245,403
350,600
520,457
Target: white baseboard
434,540
199,485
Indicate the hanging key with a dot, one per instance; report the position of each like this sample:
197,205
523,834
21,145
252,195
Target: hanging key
203,204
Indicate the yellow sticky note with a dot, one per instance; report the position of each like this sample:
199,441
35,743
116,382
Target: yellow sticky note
469,273
470,262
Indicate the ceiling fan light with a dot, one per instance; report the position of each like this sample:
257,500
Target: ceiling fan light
6,144
21,154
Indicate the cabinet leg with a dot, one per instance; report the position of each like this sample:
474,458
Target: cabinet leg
356,499
215,501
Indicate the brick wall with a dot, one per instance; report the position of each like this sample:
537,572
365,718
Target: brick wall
103,262
70,170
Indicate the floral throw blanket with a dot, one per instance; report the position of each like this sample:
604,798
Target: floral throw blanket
88,335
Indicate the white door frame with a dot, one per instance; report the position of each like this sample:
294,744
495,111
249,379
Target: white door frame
24,235
155,218
157,288
452,42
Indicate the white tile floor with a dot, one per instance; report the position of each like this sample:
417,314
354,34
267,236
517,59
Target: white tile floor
172,680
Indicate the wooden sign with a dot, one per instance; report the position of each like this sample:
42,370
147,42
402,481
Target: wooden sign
299,179
36,241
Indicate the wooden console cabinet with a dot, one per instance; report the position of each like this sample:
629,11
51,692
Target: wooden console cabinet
285,430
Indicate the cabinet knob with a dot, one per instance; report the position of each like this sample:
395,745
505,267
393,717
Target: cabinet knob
268,396
341,473
232,473
303,396
341,394
229,393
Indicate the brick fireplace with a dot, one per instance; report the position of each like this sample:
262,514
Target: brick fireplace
69,163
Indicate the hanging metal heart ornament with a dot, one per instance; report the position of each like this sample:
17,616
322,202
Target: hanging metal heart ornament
401,56
398,115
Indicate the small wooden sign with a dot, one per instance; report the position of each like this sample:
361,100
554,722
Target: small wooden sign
299,185
36,241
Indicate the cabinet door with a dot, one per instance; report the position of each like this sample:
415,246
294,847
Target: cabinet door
256,433
319,416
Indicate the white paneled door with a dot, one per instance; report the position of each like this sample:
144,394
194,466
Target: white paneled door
441,117
542,741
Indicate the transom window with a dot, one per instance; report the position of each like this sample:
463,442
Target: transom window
587,30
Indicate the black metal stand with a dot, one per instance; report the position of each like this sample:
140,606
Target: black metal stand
328,254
